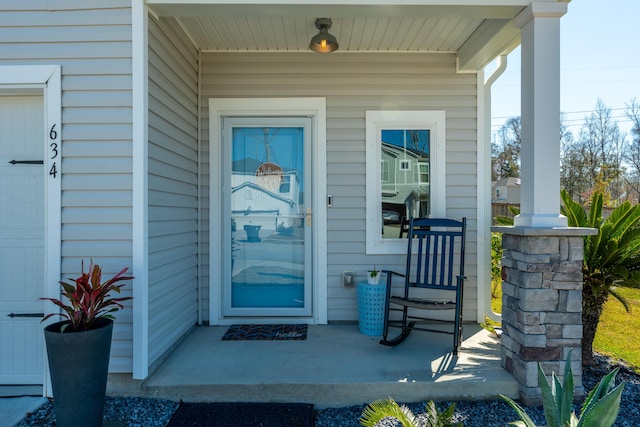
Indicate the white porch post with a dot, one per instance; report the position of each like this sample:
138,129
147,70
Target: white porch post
542,257
540,110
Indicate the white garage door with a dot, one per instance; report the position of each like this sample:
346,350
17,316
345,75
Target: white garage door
21,240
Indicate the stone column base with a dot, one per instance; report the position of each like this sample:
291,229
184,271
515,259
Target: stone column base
541,304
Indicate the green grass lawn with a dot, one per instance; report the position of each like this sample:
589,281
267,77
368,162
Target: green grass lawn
616,336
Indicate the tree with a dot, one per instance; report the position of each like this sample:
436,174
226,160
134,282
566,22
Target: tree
611,259
573,166
596,155
633,153
574,175
506,149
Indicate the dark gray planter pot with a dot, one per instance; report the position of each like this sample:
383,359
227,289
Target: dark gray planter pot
79,364
253,232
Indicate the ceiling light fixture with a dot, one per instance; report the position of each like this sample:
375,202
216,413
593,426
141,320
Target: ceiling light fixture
323,42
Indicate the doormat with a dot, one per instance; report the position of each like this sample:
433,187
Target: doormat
243,415
265,332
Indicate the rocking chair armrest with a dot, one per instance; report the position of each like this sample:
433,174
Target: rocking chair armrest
390,274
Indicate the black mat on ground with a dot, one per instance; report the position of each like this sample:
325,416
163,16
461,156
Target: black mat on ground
243,415
265,332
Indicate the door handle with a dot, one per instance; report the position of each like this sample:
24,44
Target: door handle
12,315
308,217
27,162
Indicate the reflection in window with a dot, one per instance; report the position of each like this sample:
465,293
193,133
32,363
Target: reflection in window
405,192
406,173
424,172
384,171
285,185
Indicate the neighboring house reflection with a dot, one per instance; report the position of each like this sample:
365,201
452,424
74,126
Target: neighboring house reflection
253,204
405,183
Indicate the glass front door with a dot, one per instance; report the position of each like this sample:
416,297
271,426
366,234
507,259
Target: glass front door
267,217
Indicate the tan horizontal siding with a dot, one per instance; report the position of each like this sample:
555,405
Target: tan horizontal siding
173,187
96,182
85,15
352,84
92,43
76,34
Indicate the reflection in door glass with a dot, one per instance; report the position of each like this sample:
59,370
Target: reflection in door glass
267,213
405,171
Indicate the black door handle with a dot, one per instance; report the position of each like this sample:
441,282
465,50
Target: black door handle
25,315
27,162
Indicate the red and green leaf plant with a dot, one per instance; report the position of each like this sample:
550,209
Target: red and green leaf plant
89,298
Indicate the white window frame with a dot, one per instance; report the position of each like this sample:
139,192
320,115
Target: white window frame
376,121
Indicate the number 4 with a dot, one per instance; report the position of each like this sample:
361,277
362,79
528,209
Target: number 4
53,171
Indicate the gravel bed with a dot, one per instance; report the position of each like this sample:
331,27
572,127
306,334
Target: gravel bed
496,413
136,411
144,412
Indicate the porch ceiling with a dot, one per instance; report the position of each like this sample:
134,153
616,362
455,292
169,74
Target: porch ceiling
477,31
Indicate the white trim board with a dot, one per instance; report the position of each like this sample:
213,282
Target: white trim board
140,239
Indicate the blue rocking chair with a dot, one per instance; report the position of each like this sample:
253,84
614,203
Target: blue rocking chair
435,261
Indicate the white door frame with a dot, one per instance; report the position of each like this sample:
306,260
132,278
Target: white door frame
311,107
18,79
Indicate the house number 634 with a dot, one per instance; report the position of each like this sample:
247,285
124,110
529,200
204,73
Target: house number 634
53,136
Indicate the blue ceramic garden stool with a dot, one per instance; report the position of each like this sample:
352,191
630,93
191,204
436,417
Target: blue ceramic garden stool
371,302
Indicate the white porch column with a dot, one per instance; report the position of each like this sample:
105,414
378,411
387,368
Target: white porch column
540,110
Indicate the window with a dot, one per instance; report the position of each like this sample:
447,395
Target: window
384,171
405,173
285,185
423,169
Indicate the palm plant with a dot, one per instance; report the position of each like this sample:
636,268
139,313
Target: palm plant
611,259
378,410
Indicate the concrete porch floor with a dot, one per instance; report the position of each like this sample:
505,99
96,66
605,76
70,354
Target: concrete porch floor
335,366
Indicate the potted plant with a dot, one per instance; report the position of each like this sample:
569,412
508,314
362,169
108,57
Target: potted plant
78,348
373,276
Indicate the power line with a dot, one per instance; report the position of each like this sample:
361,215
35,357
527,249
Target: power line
623,67
566,120
567,112
574,122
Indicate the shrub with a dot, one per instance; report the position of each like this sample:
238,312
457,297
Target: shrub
600,409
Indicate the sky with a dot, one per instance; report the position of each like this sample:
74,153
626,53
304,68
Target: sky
600,58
